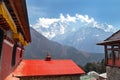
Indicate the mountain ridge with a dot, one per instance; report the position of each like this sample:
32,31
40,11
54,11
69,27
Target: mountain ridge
75,30
40,45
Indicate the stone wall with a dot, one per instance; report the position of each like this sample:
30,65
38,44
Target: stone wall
52,78
113,73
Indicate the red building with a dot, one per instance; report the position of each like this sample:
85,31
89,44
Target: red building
14,34
112,55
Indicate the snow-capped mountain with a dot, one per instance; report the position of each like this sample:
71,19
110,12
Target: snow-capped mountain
40,45
78,31
84,39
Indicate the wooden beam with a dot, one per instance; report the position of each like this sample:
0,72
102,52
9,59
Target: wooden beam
119,51
113,56
5,13
16,16
106,54
21,17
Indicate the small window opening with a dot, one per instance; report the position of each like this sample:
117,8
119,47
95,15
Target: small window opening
1,41
14,55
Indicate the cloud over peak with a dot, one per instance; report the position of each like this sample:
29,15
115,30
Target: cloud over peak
51,27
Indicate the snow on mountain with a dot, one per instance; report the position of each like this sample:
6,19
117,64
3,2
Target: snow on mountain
40,45
79,31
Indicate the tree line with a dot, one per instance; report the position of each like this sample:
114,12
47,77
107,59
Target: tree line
99,67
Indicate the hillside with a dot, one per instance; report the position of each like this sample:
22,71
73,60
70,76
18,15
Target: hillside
41,45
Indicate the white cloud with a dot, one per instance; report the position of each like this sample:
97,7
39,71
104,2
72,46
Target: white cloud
51,27
84,18
62,18
70,19
45,22
110,28
67,19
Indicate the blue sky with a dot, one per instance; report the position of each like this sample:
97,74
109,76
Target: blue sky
103,11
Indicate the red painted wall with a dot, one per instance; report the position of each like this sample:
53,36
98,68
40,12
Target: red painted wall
18,51
6,59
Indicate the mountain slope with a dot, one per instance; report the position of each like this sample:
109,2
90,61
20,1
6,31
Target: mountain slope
84,39
41,45
75,31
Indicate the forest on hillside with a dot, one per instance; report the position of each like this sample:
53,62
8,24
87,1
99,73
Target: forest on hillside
98,67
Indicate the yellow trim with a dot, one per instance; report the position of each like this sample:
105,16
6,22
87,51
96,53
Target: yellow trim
20,38
4,12
16,36
25,43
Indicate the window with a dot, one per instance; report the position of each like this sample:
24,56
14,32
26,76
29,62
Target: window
116,47
109,54
113,51
116,54
14,55
1,41
109,47
21,53
113,54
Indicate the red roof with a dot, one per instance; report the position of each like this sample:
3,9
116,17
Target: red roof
47,68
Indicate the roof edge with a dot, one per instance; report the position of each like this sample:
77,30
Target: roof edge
77,74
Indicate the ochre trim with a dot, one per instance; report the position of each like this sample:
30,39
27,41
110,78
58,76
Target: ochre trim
25,43
20,38
4,12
